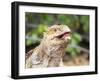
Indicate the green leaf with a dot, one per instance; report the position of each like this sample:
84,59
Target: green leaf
28,42
85,22
77,37
41,28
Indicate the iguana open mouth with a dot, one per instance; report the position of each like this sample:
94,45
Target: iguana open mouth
63,35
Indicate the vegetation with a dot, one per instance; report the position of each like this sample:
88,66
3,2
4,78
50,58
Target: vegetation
37,23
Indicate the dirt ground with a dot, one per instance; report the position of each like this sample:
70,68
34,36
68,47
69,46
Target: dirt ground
78,60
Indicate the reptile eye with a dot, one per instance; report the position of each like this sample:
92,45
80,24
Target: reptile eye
55,30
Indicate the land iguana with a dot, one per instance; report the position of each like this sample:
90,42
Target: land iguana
51,49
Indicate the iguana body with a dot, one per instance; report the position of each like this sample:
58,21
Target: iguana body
51,49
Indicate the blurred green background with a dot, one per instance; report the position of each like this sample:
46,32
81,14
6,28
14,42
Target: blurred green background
36,24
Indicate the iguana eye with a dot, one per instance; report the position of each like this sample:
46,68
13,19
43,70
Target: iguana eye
55,29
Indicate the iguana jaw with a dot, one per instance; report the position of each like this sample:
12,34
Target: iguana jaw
63,35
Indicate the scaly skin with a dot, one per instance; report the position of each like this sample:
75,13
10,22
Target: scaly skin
51,49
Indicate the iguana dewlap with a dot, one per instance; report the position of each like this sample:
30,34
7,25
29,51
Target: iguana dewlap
51,49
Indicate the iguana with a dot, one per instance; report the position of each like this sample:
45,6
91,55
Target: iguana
51,49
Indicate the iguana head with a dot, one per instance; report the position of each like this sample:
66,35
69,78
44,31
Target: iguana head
58,34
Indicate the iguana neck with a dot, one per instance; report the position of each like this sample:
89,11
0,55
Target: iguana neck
52,55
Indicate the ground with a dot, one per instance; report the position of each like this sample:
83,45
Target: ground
78,60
